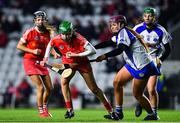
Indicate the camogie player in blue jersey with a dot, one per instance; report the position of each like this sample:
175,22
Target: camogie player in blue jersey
158,40
139,66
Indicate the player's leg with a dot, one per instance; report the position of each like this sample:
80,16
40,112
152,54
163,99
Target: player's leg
121,78
91,83
138,89
153,95
67,96
47,92
36,80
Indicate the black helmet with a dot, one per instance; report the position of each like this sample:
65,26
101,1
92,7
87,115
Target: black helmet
40,14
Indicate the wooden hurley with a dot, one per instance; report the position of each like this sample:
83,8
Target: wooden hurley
62,69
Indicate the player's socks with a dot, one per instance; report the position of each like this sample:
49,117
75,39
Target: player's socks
119,111
41,113
45,110
68,105
154,110
40,109
69,113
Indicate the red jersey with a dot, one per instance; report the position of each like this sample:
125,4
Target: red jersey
35,40
76,45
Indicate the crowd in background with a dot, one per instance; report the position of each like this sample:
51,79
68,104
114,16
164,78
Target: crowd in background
167,10
132,9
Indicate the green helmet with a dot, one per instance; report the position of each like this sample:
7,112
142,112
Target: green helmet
65,27
150,10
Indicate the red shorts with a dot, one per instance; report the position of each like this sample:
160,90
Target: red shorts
31,68
85,68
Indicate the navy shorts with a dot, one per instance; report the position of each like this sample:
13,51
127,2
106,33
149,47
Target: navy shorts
147,71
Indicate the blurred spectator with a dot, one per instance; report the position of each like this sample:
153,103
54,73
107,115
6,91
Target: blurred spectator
87,8
103,32
3,37
105,35
14,24
108,8
102,25
78,26
23,92
7,96
90,32
56,22
133,15
76,7
168,11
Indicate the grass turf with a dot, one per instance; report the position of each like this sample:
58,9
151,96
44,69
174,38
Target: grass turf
85,115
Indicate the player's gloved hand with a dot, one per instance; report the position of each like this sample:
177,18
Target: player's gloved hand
45,60
101,58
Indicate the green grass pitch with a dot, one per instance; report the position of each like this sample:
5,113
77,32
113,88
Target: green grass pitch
85,115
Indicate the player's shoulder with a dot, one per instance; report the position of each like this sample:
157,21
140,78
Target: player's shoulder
28,31
138,26
161,27
57,37
79,37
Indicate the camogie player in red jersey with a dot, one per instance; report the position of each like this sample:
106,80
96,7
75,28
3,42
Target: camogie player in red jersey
33,43
74,49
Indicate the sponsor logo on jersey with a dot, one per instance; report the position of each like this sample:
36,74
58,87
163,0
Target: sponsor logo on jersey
155,40
61,47
141,74
36,38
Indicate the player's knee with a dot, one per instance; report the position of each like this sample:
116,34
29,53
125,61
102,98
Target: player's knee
117,84
49,90
152,92
40,88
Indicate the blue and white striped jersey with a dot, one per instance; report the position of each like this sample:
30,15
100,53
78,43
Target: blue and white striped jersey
157,36
135,55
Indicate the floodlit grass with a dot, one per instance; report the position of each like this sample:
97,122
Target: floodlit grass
85,115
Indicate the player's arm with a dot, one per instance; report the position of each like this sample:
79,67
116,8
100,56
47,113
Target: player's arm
121,47
89,50
48,51
166,52
22,46
105,44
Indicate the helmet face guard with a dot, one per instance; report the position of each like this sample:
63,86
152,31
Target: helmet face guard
43,16
66,30
65,27
40,14
115,20
152,11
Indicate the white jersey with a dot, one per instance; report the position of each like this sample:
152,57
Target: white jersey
135,55
158,36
